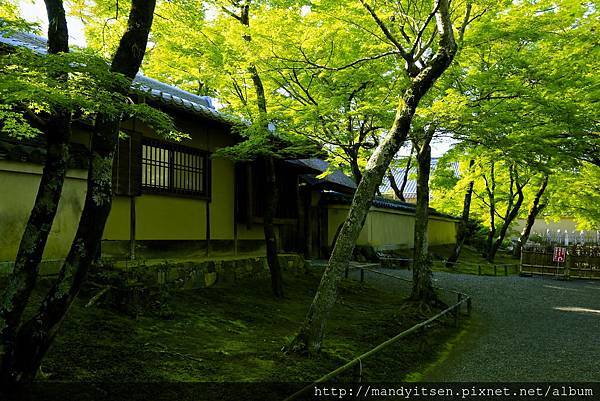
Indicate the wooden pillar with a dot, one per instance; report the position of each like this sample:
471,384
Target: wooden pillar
132,227
208,184
207,227
249,197
235,215
300,237
568,263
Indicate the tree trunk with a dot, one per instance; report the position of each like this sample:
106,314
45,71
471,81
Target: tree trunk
405,176
536,208
394,185
399,191
31,248
511,213
270,194
270,197
356,173
310,335
461,235
37,334
490,186
34,338
422,290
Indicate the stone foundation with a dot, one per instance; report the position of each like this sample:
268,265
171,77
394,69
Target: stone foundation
206,273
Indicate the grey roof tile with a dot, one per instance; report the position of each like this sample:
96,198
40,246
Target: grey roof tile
319,165
331,197
410,190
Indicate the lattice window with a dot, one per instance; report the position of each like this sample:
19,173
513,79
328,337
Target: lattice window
172,168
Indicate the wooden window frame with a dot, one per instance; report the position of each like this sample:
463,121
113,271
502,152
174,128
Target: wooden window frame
203,170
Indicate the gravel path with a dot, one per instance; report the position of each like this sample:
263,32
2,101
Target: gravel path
524,329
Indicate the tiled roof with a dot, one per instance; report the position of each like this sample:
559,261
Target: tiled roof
162,93
410,190
34,151
330,197
320,166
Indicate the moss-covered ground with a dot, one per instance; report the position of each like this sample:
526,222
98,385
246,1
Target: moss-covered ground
470,260
236,332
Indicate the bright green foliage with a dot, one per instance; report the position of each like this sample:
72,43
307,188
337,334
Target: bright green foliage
526,80
340,93
33,87
448,190
576,193
571,191
524,88
10,18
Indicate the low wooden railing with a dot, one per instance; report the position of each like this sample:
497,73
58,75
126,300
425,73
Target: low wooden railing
462,299
482,268
580,261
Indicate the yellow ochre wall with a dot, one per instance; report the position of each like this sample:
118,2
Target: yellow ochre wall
389,229
18,187
167,217
158,217
541,225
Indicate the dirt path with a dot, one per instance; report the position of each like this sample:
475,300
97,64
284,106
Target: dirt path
524,329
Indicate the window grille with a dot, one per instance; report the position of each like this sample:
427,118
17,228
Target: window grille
172,168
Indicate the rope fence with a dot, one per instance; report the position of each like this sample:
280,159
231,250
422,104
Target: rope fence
482,268
455,309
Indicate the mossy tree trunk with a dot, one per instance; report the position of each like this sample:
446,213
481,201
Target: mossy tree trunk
310,336
37,334
270,195
536,207
422,289
461,235
57,132
270,201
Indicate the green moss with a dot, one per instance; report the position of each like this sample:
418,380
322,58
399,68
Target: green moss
470,259
443,354
101,174
236,332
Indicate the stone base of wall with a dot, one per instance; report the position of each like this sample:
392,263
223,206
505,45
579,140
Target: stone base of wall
47,267
177,249
190,274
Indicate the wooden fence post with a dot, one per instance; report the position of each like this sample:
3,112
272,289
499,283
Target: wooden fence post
520,266
568,262
457,309
358,371
479,270
423,339
506,270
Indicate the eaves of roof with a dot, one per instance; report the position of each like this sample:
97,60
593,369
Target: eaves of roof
330,198
160,92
